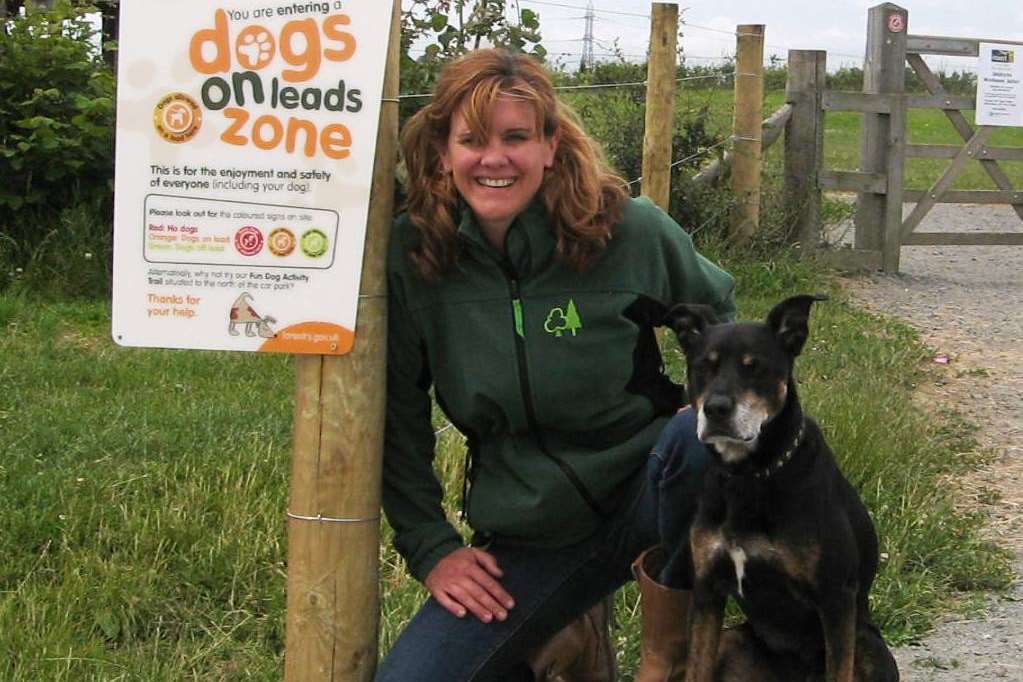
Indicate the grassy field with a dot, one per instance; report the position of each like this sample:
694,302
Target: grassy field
841,136
143,492
925,126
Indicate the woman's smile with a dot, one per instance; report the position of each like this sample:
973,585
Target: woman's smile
498,170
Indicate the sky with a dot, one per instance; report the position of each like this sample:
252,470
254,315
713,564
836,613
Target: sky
838,26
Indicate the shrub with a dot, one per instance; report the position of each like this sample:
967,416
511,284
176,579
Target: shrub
56,133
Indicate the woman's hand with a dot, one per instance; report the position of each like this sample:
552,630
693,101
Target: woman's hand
466,579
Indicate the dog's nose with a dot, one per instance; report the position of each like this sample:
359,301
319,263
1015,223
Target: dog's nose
718,407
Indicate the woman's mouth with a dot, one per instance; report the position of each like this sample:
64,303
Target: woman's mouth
495,182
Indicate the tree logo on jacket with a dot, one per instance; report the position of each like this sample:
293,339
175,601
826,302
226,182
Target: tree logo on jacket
561,320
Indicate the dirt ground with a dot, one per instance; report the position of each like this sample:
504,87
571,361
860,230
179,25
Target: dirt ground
967,303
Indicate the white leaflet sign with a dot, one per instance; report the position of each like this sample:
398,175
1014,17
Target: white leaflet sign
999,94
246,135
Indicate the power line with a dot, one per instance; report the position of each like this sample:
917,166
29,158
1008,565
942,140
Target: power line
601,11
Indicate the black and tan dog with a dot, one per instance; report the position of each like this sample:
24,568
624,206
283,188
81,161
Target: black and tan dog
779,528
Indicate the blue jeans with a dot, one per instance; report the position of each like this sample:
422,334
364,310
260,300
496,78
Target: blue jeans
553,587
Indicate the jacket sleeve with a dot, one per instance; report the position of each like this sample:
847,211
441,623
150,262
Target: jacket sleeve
411,493
692,278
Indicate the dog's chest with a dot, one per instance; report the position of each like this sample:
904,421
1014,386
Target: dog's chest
751,563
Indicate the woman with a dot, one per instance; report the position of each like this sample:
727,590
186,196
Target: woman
525,286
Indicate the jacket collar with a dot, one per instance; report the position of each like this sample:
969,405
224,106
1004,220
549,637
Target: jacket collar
528,245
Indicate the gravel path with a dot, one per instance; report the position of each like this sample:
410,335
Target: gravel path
967,303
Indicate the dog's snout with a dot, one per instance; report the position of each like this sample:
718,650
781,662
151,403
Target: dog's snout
719,407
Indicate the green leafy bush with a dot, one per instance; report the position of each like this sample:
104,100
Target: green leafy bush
56,130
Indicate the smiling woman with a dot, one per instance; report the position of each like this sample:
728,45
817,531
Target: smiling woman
525,287
498,169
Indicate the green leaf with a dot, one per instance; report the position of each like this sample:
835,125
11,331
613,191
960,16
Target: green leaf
36,122
530,19
438,21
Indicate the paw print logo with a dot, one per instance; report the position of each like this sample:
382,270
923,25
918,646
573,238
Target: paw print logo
255,47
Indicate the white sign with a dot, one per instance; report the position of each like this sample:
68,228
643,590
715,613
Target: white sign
999,94
246,134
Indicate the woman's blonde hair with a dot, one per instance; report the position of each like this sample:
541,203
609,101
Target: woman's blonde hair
583,196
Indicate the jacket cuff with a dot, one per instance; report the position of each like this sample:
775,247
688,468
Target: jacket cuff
422,567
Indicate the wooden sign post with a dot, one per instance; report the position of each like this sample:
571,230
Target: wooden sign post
334,508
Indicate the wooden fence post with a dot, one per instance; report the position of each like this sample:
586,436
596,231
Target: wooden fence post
804,144
882,136
660,103
746,139
334,510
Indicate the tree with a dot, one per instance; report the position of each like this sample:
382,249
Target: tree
573,323
433,32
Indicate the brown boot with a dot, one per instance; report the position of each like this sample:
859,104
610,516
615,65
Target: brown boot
581,651
664,623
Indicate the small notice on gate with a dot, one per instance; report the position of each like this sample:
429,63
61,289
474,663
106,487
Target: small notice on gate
246,135
1000,85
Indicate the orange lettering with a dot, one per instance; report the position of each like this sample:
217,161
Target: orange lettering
231,136
330,28
335,140
295,125
309,59
218,37
275,127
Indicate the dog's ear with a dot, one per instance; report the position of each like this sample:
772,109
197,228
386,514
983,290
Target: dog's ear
789,321
689,321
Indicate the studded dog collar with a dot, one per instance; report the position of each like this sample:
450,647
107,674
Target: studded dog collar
775,466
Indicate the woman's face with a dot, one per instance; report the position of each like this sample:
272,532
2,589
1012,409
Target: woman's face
499,176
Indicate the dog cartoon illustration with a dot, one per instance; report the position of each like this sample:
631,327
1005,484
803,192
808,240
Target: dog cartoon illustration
176,117
255,324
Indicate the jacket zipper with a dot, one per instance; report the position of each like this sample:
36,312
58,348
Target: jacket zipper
527,399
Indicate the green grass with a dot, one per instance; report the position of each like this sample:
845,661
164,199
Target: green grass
143,491
924,126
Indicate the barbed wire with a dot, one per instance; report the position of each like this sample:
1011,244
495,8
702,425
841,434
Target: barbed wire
598,86
729,205
702,152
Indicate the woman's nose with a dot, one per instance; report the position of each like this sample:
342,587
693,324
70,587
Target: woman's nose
494,154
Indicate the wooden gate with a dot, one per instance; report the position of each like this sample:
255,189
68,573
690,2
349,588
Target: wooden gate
881,227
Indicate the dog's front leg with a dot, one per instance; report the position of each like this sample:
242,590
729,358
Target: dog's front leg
837,612
708,609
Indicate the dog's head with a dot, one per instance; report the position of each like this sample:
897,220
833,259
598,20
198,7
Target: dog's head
739,375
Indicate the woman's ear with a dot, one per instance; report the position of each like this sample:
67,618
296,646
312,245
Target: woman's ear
552,149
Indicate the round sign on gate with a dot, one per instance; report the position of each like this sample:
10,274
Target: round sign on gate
896,22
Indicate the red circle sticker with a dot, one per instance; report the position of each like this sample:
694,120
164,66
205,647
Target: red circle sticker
248,241
896,22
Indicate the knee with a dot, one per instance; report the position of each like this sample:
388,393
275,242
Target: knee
679,450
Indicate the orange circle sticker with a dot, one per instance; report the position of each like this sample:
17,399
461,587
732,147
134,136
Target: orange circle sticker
177,117
281,241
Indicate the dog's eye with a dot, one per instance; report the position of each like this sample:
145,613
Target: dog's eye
708,363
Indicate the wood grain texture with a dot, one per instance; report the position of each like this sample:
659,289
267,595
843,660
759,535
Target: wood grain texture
660,103
333,599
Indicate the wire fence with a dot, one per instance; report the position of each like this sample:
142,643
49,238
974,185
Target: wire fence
703,152
601,86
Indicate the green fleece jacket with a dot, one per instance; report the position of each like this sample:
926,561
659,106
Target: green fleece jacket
554,376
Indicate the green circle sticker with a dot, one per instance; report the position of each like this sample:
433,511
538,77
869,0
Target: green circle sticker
314,243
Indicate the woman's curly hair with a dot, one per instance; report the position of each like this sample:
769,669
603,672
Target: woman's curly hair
583,196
